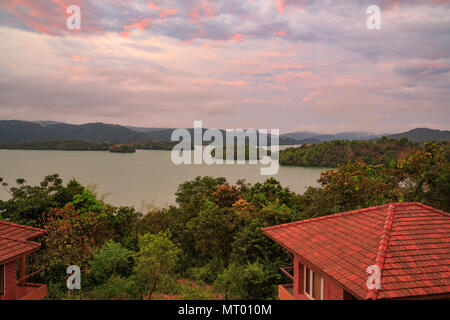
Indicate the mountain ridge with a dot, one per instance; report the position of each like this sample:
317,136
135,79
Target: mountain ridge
12,131
31,131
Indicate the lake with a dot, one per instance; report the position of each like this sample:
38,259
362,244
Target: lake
133,179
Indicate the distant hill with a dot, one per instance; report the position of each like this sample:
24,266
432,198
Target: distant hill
44,123
165,134
23,131
143,129
12,131
311,138
300,135
416,135
309,141
423,134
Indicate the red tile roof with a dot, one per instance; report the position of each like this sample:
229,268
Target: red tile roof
15,240
409,242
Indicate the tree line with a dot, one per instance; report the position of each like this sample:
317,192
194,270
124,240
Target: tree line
210,244
334,153
81,145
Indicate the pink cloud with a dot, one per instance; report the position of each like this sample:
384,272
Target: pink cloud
167,12
50,18
280,33
392,4
79,58
238,37
203,10
162,12
282,4
218,82
311,95
141,25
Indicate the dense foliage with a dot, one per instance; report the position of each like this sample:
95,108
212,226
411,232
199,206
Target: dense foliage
122,148
155,145
210,245
78,145
69,145
334,153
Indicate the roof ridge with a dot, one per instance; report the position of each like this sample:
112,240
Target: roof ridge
326,217
383,245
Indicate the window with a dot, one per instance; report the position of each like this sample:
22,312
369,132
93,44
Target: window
307,281
313,285
2,280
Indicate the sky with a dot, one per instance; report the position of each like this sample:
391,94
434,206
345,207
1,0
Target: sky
293,65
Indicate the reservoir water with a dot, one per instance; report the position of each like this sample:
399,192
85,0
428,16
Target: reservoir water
134,179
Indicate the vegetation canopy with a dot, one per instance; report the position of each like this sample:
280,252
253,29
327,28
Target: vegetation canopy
210,244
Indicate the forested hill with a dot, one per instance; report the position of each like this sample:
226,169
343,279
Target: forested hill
23,131
12,131
331,154
419,135
423,134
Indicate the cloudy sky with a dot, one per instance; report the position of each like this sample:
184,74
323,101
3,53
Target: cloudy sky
290,64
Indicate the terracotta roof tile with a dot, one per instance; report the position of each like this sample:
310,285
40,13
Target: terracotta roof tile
14,240
18,231
410,242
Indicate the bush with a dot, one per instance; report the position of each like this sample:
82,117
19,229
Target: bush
244,282
116,288
111,260
155,262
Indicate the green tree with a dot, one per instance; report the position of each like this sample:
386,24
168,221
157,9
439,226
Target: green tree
71,236
358,185
123,226
112,260
87,202
155,262
27,203
116,288
212,230
246,282
425,176
271,191
191,193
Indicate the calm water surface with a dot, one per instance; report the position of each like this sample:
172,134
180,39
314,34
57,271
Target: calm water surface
135,179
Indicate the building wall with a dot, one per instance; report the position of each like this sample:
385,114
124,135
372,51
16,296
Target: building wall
298,278
284,293
332,290
10,281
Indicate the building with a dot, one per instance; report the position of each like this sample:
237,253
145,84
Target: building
15,245
409,244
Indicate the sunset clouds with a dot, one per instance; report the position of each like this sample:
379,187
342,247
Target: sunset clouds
288,64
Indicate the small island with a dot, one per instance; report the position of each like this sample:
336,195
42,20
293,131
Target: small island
122,148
